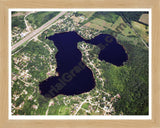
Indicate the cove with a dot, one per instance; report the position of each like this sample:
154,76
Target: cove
74,77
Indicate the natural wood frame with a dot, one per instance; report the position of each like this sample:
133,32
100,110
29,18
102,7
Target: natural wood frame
6,4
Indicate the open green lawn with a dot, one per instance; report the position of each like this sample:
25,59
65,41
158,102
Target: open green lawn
85,106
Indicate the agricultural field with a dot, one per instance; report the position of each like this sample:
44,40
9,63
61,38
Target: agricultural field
141,29
127,31
87,14
99,24
110,17
131,16
144,19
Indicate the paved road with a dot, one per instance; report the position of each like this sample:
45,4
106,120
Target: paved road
33,33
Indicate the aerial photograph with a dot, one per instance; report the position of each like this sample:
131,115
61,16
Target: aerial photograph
79,62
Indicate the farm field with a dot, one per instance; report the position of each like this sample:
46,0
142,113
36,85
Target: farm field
144,19
141,29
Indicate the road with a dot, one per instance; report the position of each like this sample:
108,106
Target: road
134,31
35,32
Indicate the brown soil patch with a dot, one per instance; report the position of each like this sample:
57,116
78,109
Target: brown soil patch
144,18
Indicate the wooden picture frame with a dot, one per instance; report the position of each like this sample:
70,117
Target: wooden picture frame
4,34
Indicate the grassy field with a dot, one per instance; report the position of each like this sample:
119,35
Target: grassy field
141,29
87,14
39,18
110,17
95,26
99,24
127,31
102,24
85,106
107,16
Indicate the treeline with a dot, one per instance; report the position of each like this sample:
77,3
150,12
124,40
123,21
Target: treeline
18,21
13,12
40,18
113,16
131,16
44,35
107,16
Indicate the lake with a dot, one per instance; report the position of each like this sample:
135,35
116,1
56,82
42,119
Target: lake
74,77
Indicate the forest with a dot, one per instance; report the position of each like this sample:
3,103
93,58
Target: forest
18,21
130,81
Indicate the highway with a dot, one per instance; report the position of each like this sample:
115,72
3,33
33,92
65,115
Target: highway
35,32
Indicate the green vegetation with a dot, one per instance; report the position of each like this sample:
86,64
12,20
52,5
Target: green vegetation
18,87
38,65
85,106
107,16
124,87
39,18
110,17
13,12
18,21
142,30
130,16
130,81
86,14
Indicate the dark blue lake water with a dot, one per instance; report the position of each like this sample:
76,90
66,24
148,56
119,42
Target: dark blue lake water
74,76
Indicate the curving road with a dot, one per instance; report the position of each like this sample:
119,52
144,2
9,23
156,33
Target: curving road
35,32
